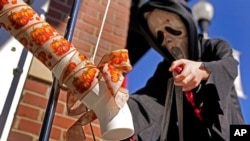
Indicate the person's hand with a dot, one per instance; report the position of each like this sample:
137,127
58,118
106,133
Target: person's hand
191,75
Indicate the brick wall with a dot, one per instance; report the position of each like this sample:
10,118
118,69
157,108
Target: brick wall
31,109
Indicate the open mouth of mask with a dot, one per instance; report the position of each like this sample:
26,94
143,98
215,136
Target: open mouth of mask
169,32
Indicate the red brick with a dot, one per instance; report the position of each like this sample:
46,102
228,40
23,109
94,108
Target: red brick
62,96
121,24
86,10
83,27
60,28
29,126
26,111
55,133
60,107
90,138
52,13
107,27
96,129
119,8
83,46
36,86
120,32
53,22
122,17
69,2
101,52
105,46
95,5
63,121
16,136
88,38
92,21
126,3
110,17
114,39
62,7
35,100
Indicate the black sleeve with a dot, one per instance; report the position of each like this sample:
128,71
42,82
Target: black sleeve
215,92
219,61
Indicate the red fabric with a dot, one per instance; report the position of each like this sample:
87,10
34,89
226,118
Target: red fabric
125,82
197,110
190,97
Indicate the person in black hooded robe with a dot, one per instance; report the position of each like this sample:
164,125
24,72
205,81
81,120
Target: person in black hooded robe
208,71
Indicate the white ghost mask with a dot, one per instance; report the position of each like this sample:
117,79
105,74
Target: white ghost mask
169,31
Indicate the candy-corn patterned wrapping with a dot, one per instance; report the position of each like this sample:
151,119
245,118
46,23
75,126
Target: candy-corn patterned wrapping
79,74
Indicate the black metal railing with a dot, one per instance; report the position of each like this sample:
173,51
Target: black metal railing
55,89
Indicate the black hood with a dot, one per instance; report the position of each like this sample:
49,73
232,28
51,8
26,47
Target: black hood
180,8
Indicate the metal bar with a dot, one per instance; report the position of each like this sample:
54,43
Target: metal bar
55,90
72,20
17,72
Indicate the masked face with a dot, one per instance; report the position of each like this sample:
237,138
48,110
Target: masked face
169,31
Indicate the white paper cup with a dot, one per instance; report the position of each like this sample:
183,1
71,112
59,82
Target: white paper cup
116,124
